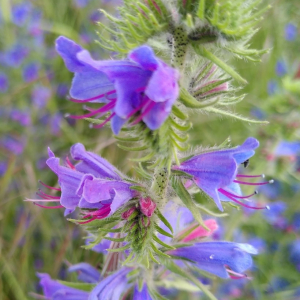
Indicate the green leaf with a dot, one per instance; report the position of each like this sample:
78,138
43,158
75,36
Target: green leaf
79,285
156,239
186,198
163,219
163,232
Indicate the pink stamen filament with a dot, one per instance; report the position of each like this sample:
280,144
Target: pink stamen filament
251,183
150,105
138,108
237,275
103,109
236,196
239,202
99,212
106,121
48,207
49,187
69,163
42,194
91,99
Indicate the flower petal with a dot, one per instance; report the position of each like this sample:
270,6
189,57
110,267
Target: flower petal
92,163
145,57
86,272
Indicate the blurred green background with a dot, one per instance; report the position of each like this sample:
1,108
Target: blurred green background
33,88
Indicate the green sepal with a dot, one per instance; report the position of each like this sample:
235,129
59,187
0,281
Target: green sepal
179,127
186,198
158,252
138,188
182,173
157,240
208,87
186,232
170,265
87,287
126,139
200,50
163,232
141,148
118,240
233,115
178,113
163,219
189,101
119,249
143,159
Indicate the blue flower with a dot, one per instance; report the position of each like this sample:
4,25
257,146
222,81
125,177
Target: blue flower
20,13
86,272
287,148
31,72
3,83
280,68
142,88
224,259
53,290
294,249
215,172
112,287
274,215
93,183
141,295
290,32
272,87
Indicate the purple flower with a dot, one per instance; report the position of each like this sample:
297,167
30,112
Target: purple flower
215,172
3,83
294,249
286,148
3,167
280,68
22,117
141,295
53,290
142,88
224,259
274,215
93,183
15,55
31,72
20,13
40,96
86,272
81,3
272,87
12,144
112,287
290,32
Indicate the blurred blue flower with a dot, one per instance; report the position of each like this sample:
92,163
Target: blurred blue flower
40,96
287,148
81,3
21,116
271,191
272,87
14,145
258,113
3,83
3,167
294,249
14,56
290,32
20,13
280,68
86,272
278,284
55,123
274,215
31,72
296,222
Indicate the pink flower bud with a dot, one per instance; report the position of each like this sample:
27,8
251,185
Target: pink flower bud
200,232
126,214
147,206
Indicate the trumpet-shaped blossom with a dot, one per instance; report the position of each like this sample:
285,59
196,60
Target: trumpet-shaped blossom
53,290
224,259
86,272
112,287
141,295
216,172
141,88
93,183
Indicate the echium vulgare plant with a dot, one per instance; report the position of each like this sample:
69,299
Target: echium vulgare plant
168,63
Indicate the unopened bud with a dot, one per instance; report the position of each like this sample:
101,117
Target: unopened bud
126,214
147,206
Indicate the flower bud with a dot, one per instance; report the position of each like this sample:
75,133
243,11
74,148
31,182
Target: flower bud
147,206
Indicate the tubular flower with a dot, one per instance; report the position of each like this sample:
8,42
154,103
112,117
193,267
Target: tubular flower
53,290
216,172
93,183
224,259
141,295
141,88
112,287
